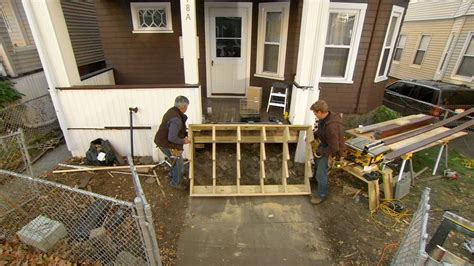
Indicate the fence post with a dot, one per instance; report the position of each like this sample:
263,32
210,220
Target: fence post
151,230
145,233
24,150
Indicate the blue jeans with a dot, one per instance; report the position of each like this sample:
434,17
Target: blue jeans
177,171
321,174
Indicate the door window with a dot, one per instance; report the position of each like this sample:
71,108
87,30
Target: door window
228,36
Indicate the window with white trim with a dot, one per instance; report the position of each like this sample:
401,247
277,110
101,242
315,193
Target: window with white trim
151,17
342,41
402,40
466,64
446,51
389,43
421,50
272,35
5,20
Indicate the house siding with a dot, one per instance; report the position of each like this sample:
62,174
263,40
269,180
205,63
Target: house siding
455,57
22,59
434,10
363,94
81,21
139,58
22,17
439,31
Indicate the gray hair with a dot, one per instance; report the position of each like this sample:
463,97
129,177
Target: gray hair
181,102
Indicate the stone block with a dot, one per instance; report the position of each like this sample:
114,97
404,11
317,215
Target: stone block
42,233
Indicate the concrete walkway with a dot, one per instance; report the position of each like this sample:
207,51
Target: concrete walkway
51,159
252,231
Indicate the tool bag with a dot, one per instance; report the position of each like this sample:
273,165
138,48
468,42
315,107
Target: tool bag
100,153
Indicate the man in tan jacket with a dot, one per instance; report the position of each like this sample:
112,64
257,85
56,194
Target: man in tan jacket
330,133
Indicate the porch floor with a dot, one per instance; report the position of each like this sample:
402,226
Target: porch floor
228,110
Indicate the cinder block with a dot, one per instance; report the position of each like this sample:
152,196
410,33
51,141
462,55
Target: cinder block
125,258
42,233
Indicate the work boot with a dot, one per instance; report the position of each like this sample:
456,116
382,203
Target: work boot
317,200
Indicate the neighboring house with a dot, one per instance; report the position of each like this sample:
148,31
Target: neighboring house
21,63
338,51
436,42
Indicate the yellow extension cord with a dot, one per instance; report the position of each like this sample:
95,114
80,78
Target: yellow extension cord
385,208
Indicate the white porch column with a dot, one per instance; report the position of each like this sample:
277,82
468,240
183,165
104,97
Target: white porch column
52,41
189,40
190,49
310,61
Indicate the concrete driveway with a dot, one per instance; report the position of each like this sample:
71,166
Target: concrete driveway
252,231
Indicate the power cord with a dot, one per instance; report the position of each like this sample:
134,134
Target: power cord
393,209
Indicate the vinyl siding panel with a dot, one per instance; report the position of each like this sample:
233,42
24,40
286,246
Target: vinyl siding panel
432,10
22,17
467,26
26,60
16,36
439,31
81,21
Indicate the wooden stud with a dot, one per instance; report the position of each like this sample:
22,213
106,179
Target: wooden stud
191,162
239,137
263,157
285,158
214,159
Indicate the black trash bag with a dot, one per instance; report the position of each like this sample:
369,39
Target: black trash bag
100,153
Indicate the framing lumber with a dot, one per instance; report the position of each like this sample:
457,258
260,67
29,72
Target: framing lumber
102,168
428,128
244,133
399,121
410,148
391,130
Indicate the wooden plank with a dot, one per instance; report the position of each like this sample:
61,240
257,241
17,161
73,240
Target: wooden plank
192,150
238,159
214,159
245,139
387,177
399,121
391,130
102,168
251,190
257,127
374,194
410,148
416,132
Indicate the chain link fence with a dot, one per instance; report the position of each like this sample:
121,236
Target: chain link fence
77,225
37,119
412,248
14,155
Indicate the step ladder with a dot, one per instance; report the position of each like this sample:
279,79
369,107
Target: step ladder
278,96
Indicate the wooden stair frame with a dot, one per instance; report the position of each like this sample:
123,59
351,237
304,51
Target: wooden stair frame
262,134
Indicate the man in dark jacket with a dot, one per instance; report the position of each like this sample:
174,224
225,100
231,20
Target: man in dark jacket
330,133
171,137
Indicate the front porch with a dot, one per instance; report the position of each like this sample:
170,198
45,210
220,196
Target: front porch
98,107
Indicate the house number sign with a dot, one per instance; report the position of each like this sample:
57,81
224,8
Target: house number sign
188,9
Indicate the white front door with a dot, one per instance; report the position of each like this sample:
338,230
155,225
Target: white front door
227,42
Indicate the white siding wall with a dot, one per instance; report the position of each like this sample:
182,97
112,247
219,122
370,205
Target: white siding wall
88,111
106,78
465,26
32,86
439,31
431,10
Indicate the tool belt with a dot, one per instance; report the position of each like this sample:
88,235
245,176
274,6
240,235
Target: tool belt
176,152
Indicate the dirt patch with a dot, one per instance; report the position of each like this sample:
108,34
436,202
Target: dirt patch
168,210
355,236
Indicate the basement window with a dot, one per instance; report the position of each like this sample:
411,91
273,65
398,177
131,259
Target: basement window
151,17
